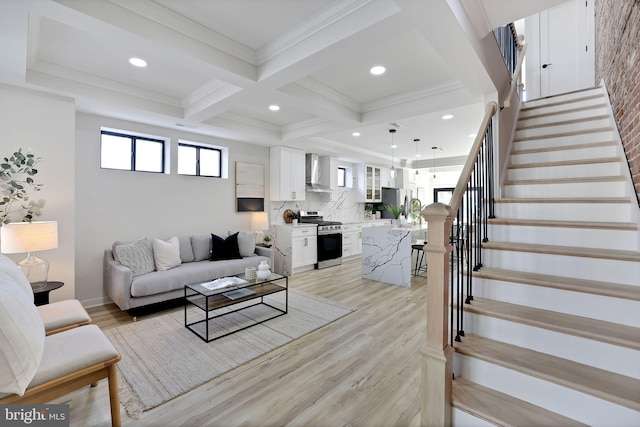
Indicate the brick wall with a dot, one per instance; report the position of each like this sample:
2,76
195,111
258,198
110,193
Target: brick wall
617,27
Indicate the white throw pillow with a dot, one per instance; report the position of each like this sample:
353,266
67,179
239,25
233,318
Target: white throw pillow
12,269
21,337
166,254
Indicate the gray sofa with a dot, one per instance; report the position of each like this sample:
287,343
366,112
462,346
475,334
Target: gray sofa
129,290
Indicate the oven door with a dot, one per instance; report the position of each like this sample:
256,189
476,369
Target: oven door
329,250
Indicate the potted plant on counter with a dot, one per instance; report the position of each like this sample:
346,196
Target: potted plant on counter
395,212
267,240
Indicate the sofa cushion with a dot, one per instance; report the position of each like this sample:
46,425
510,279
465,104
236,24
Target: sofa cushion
21,337
166,254
222,249
201,245
12,269
138,256
246,243
186,251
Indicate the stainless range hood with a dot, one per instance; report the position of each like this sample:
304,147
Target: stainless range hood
313,174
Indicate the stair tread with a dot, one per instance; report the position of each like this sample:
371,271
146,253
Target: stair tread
563,122
616,254
563,147
600,383
560,134
615,290
592,161
528,107
568,224
625,200
503,409
593,329
611,178
569,111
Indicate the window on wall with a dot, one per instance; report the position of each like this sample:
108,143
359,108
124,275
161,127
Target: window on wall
342,177
131,152
199,161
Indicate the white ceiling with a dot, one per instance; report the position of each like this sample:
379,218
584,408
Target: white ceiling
215,66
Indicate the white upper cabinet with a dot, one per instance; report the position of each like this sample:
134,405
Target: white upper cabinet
369,183
287,170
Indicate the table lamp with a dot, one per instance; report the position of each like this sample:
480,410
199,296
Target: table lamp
259,223
30,237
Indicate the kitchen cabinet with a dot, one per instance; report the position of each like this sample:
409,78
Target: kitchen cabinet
287,174
304,243
369,183
352,236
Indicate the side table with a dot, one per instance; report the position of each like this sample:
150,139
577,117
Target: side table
41,296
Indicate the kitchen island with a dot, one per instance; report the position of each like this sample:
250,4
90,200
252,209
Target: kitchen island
386,254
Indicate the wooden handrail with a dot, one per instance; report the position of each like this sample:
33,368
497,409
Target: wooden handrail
461,186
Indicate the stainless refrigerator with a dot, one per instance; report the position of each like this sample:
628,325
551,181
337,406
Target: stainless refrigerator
395,196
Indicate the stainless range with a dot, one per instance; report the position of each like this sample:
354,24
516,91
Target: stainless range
329,238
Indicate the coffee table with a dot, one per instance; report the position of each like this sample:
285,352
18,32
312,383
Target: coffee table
229,301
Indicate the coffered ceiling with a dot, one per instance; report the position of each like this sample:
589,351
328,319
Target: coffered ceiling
215,66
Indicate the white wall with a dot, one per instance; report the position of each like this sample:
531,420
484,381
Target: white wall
122,205
45,124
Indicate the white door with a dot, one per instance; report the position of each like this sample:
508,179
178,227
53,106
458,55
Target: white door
560,57
564,49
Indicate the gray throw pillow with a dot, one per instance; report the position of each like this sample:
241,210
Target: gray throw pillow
138,256
246,243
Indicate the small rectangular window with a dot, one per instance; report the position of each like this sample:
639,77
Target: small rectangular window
342,174
131,152
199,161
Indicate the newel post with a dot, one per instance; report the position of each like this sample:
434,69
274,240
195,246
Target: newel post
437,356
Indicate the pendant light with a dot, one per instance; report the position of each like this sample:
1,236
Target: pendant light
392,172
417,155
434,159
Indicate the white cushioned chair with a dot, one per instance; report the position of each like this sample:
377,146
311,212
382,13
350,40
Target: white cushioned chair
36,368
58,316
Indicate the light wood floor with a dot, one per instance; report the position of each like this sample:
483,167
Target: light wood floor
362,370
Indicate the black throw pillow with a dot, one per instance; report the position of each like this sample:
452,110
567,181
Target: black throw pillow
224,248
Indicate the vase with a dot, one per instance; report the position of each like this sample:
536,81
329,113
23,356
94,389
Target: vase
263,272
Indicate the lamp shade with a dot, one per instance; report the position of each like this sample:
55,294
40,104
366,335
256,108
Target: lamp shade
259,221
19,237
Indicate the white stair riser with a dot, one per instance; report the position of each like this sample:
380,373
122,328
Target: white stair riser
609,357
564,155
567,128
460,418
567,171
613,212
558,141
599,269
560,116
570,189
608,309
556,398
561,108
566,236
568,99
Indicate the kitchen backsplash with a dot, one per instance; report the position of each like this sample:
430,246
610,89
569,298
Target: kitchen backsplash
345,209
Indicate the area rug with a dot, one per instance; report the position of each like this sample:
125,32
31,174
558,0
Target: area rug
161,359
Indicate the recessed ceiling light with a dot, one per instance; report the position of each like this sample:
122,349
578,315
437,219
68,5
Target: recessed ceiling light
447,117
377,70
274,107
394,146
472,135
355,134
417,155
138,62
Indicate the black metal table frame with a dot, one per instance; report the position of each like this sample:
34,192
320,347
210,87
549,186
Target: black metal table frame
188,302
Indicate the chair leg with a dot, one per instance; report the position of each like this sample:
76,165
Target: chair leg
114,398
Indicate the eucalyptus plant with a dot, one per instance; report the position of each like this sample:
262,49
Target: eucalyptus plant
16,181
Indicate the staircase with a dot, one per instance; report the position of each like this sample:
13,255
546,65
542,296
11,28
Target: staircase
553,333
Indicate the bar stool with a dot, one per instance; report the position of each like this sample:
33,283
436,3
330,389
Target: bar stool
418,248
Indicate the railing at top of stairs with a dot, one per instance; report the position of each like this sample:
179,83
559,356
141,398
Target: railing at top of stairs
455,235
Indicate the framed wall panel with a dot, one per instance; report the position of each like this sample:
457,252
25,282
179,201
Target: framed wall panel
249,187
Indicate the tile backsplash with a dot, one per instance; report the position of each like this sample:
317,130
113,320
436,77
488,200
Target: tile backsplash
344,209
